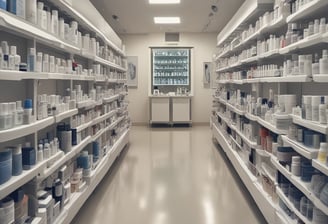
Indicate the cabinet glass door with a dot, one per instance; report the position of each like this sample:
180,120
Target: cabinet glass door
170,67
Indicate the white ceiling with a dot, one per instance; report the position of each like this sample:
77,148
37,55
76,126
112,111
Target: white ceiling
136,16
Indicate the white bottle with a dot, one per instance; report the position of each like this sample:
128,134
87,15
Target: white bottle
322,26
13,111
40,153
315,107
315,65
31,11
323,63
46,151
296,166
11,59
31,60
17,58
40,6
44,20
38,67
322,113
61,28
20,113
316,26
21,8
8,116
48,21
54,22
45,63
52,64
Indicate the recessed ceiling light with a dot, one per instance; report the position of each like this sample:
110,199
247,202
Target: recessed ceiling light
167,20
164,1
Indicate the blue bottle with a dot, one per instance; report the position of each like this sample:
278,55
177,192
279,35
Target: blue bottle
11,6
3,4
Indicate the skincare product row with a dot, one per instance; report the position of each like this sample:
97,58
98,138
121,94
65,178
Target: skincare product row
13,114
267,19
15,208
296,5
303,204
314,108
9,59
171,81
171,74
97,94
49,105
296,32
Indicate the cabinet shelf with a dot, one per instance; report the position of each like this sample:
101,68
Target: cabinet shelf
320,78
307,10
24,130
271,127
27,175
308,153
77,199
290,205
320,166
315,126
262,199
82,20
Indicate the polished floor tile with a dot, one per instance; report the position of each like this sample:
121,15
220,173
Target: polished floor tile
170,176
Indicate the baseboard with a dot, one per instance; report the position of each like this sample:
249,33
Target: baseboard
193,124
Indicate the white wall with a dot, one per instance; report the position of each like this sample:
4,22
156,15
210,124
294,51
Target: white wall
138,45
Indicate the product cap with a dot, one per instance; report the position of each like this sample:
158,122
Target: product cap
324,146
19,105
13,50
32,51
28,104
17,149
296,159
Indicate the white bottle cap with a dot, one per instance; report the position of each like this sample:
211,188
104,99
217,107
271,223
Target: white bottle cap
40,5
324,146
13,50
32,51
54,13
17,149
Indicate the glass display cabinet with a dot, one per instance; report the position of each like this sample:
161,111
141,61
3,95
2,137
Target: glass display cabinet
170,69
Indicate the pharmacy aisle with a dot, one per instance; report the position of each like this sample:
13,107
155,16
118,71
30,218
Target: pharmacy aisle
170,176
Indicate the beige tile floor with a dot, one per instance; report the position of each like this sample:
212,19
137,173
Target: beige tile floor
170,176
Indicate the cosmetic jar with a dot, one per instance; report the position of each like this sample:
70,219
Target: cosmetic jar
284,154
306,171
83,160
296,166
7,210
308,138
5,165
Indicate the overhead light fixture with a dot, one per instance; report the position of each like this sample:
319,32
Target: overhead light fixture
167,20
164,1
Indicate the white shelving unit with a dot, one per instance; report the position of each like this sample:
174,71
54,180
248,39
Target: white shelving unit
305,84
115,133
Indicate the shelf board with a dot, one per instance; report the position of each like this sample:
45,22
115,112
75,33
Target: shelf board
307,42
261,198
78,199
315,126
290,205
64,6
292,78
65,115
307,10
236,110
320,78
251,117
23,130
308,153
27,29
246,140
109,63
83,126
103,117
66,157
269,54
271,127
250,59
323,168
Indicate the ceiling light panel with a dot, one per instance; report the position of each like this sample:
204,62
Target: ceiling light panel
164,1
167,20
